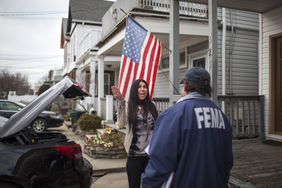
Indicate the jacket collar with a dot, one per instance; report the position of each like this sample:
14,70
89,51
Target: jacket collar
193,95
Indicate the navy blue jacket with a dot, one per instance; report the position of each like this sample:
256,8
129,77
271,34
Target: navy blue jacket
193,140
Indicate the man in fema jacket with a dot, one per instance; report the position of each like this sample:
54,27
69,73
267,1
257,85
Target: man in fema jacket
191,145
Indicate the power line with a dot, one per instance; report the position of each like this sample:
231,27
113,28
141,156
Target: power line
37,13
28,67
6,58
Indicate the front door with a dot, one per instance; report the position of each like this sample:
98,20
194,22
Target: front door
278,85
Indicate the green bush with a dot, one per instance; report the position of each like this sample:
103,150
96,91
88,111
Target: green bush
67,117
55,108
88,122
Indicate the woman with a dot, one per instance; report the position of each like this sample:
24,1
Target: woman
140,121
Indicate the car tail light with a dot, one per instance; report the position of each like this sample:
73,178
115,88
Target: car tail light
71,151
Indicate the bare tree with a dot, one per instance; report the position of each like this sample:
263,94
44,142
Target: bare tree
13,82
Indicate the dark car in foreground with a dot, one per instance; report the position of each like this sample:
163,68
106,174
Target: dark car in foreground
41,160
43,121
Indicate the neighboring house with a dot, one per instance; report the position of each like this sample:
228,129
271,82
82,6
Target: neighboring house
20,98
79,34
239,44
55,75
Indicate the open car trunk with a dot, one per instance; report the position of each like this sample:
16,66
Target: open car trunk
21,120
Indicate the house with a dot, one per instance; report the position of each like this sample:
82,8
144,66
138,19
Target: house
238,35
79,34
270,79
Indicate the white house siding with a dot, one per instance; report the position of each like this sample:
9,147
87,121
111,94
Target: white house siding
271,25
241,19
162,83
243,56
87,37
241,62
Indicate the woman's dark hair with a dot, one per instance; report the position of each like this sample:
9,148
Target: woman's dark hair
134,101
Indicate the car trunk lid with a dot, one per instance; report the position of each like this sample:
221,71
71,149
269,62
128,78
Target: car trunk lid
23,118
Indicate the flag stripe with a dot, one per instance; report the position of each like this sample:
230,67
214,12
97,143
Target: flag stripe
135,70
149,55
122,69
156,68
130,81
151,63
145,56
126,63
127,78
151,79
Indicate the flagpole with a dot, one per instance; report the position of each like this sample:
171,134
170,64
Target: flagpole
166,48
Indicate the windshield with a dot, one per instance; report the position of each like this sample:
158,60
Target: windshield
22,105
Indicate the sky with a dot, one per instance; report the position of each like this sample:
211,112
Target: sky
30,32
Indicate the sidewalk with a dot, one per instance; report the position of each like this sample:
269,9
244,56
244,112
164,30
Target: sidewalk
107,172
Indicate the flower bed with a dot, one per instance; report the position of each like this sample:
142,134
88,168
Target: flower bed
106,145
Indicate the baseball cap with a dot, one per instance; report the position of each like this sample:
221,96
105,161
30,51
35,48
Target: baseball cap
197,75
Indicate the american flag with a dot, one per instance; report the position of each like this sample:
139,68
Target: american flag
140,57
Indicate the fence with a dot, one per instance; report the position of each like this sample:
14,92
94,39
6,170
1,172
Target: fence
245,114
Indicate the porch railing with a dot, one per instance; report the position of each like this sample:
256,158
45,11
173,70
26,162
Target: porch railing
245,113
114,15
185,8
161,104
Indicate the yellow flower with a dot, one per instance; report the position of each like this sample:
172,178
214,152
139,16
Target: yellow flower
108,130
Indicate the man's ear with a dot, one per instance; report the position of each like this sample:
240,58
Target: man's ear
186,86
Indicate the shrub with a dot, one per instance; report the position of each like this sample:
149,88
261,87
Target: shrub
55,108
67,117
88,122
109,139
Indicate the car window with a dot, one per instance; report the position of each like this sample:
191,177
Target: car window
5,105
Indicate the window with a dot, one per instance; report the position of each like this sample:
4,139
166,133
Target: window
87,81
199,59
107,85
200,62
182,59
9,106
164,64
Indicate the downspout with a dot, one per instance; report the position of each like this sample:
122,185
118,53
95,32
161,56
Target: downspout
223,47
260,54
231,45
223,58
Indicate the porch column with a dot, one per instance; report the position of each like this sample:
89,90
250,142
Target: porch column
92,82
109,108
174,47
100,84
213,46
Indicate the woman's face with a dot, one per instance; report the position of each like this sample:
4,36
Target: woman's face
142,91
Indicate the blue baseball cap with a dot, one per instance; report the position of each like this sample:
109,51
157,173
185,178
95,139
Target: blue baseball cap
197,75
